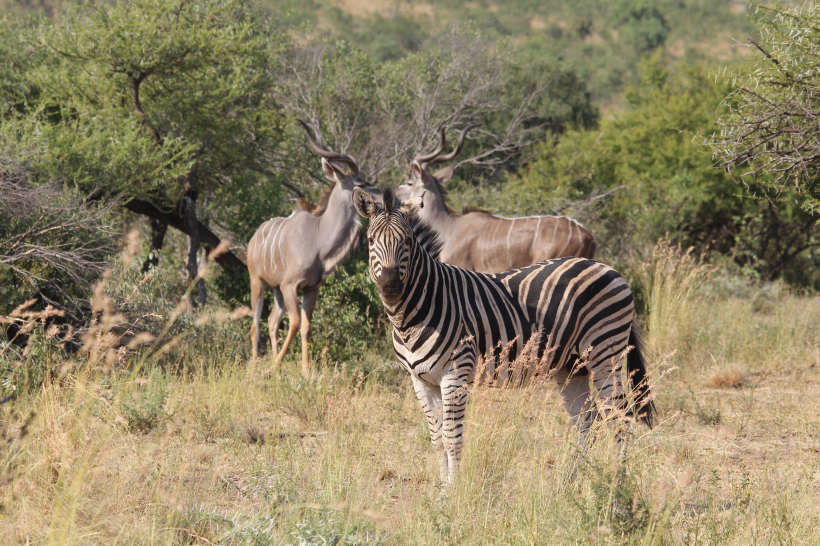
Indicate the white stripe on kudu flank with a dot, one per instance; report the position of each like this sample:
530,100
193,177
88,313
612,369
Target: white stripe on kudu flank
568,239
509,257
533,247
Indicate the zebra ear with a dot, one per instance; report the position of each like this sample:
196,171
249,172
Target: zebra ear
363,203
412,206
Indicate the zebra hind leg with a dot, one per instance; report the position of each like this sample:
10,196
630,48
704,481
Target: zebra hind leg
580,404
578,401
614,405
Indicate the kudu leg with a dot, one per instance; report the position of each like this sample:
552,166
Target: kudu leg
275,319
308,303
291,297
257,302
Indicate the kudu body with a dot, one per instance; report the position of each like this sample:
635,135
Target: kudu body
484,242
299,252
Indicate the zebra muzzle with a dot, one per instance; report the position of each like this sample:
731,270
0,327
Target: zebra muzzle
390,284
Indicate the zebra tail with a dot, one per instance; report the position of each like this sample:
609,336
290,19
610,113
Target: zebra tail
636,369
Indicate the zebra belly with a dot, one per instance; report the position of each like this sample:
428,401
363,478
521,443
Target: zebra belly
559,304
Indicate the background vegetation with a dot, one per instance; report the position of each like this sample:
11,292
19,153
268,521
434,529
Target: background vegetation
168,129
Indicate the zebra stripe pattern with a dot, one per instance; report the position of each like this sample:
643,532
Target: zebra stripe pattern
445,319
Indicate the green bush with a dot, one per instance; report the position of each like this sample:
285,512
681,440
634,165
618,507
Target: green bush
349,321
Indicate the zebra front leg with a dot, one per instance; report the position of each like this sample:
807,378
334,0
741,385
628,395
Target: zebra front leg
454,383
580,405
429,396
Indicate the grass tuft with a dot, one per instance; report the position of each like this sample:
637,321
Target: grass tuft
729,377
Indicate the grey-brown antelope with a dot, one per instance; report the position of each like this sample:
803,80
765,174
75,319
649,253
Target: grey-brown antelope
299,252
483,242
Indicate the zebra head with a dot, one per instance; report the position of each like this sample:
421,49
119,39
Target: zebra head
391,240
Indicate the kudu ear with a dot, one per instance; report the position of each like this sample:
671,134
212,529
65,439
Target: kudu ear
331,172
412,206
363,203
416,171
445,174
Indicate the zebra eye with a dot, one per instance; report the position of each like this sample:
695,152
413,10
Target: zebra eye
370,240
407,240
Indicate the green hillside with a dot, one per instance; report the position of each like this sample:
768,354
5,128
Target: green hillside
602,40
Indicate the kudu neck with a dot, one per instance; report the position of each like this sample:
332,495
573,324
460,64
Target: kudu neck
437,214
337,226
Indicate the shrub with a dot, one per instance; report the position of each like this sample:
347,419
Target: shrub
349,321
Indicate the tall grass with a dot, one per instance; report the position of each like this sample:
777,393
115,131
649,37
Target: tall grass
673,279
169,441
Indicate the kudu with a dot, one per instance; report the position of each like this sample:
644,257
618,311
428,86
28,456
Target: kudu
299,252
483,242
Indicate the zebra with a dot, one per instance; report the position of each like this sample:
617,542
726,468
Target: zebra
445,318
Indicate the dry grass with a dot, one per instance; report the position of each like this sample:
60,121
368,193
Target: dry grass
107,454
729,377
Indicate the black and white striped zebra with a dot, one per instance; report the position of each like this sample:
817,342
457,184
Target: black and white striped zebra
445,318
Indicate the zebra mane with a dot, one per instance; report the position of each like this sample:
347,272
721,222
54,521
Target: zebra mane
426,236
389,199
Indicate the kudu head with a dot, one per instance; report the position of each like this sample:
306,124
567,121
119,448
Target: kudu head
390,239
331,160
420,179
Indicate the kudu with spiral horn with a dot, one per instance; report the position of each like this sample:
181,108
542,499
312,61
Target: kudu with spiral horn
483,242
297,253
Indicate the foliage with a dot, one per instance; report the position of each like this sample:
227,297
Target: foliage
671,186
669,286
145,408
600,40
642,22
191,98
152,103
18,56
769,126
385,113
349,320
26,368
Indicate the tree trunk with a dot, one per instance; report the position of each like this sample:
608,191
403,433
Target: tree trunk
228,260
158,230
188,212
203,260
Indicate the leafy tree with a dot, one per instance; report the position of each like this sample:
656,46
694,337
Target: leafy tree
157,102
642,23
769,133
386,113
